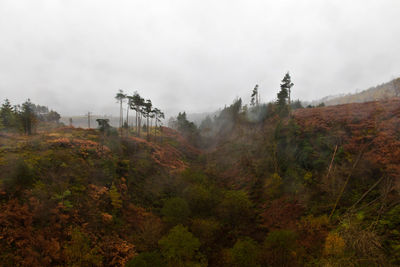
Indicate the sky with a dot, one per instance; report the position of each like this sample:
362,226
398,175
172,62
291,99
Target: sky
193,56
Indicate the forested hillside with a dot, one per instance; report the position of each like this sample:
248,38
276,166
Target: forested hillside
258,185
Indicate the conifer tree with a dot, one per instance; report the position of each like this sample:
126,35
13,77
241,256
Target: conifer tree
135,106
120,98
7,114
147,112
158,116
28,117
255,97
283,101
128,107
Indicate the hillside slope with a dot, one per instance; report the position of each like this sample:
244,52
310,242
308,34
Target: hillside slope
328,173
320,187
379,92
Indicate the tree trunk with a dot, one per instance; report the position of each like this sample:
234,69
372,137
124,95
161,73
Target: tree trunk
140,122
127,120
121,116
155,130
151,125
136,121
148,136
127,115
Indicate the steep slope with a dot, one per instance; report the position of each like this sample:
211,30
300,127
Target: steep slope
329,172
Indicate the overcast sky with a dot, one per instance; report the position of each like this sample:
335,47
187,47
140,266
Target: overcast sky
73,55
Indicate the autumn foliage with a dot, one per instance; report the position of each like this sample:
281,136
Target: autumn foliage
319,187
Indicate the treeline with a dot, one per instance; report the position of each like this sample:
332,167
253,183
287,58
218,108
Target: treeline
25,117
255,112
145,113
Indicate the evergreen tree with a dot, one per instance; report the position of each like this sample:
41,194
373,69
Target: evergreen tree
141,108
255,97
286,82
283,101
135,105
27,117
120,98
129,104
7,113
147,113
158,116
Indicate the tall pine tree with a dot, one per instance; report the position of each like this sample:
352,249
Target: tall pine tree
283,101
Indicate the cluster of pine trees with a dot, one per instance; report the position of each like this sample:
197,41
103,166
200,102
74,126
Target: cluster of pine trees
25,117
144,110
222,123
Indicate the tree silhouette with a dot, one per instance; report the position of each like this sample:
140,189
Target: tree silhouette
158,116
27,117
120,98
104,125
141,109
135,105
128,107
284,95
255,99
147,113
7,114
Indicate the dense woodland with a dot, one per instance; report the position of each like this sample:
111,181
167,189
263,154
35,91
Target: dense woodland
259,184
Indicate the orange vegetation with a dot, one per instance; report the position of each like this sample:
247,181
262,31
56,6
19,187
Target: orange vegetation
373,127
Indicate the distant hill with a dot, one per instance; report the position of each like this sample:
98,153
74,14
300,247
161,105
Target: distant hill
380,92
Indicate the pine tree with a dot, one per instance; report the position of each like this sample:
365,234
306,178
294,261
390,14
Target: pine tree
283,101
158,116
135,105
147,112
28,117
120,98
7,114
128,107
255,97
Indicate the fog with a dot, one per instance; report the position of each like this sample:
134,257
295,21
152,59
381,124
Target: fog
74,55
